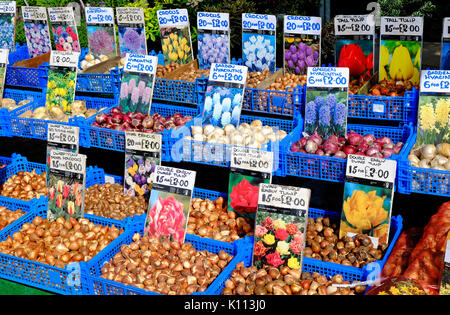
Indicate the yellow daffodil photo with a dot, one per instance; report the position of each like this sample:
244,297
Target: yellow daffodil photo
61,89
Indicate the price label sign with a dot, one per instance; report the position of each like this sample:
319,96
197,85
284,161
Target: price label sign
310,25
371,170
66,180
354,25
252,159
259,22
8,7
402,26
99,15
145,142
213,21
435,81
130,15
446,28
283,212
327,77
67,59
3,65
228,73
174,180
63,136
4,56
173,18
141,63
61,15
445,47
30,14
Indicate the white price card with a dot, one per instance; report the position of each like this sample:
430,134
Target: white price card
4,56
213,21
174,178
34,14
7,7
63,134
446,28
173,18
259,22
99,15
67,59
251,159
354,25
141,141
130,15
67,161
371,169
401,26
435,81
141,63
228,73
332,77
285,197
61,15
308,25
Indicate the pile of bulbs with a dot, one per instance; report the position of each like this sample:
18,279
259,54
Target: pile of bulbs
90,60
11,104
431,156
253,135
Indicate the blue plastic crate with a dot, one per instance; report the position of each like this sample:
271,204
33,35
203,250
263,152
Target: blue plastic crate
20,53
44,276
24,76
99,286
331,168
4,161
393,108
420,180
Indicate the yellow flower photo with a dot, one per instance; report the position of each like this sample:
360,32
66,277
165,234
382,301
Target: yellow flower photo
433,120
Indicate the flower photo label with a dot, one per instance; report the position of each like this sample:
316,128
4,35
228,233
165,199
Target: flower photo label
64,29
445,50
170,198
213,38
355,44
368,197
36,30
66,180
280,226
101,32
224,95
137,85
302,43
131,28
3,65
142,155
7,25
259,41
175,36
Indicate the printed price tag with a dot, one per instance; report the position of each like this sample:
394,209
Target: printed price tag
4,56
286,197
130,15
141,63
174,178
140,141
172,18
354,25
251,159
310,25
446,29
61,15
371,169
412,26
67,59
34,14
378,108
437,81
63,134
99,15
213,21
259,22
7,7
67,161
228,73
327,77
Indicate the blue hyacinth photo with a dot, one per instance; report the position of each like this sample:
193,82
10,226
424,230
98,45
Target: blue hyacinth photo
326,112
222,106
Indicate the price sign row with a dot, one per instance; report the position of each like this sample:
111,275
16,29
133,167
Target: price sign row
228,73
172,18
64,58
130,15
310,25
286,197
435,81
67,161
63,134
354,25
7,7
327,77
213,21
141,141
259,22
34,14
174,177
98,15
370,168
401,26
141,63
252,159
61,15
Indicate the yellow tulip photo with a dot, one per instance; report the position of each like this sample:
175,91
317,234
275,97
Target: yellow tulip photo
176,45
